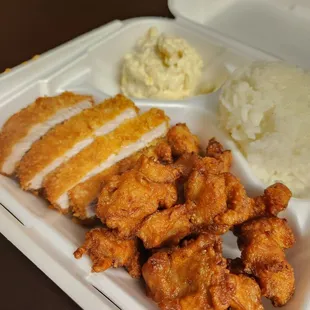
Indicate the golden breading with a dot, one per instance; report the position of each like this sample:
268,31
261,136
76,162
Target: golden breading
127,200
262,242
93,158
182,140
275,199
28,125
207,194
216,152
165,228
214,202
193,276
76,133
163,152
85,193
242,208
107,250
215,161
247,294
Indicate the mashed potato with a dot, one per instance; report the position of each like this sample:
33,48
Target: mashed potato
161,67
266,109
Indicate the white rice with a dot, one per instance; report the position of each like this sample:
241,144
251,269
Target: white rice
266,109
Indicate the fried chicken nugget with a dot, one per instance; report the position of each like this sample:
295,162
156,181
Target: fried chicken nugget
206,194
168,227
262,242
214,202
193,276
216,160
247,294
127,200
83,196
241,208
182,140
106,249
275,199
165,228
223,157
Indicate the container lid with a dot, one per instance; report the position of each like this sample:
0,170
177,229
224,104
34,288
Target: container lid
278,27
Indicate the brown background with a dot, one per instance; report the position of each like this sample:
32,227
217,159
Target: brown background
29,27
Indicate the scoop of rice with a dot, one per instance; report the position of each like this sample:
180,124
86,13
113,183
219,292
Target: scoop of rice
266,109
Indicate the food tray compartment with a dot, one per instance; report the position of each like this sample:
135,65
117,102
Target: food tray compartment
100,66
125,292
262,24
64,236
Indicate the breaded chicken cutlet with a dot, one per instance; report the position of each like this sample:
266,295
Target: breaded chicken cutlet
67,139
130,137
83,197
27,126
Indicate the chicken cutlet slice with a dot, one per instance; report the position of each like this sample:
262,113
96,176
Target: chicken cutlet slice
69,138
83,197
126,200
106,249
262,242
130,137
193,276
27,126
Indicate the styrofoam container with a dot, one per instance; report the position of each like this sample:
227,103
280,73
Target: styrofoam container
228,34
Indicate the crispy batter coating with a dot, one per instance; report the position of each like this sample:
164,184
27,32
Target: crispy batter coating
106,249
19,125
80,128
247,294
165,228
236,266
215,151
206,194
127,200
190,277
83,195
275,199
216,160
182,140
263,242
163,152
241,208
214,202
77,168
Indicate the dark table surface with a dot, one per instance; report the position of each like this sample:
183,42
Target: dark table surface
33,27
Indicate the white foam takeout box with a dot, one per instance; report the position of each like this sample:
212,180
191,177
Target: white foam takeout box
227,33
